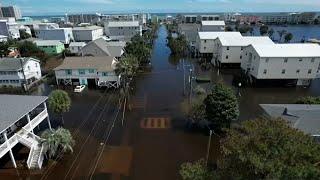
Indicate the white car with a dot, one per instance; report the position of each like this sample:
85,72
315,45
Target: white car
79,89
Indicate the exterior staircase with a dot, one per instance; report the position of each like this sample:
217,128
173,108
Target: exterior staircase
36,157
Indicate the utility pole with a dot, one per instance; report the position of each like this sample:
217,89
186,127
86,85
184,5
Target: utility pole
208,147
184,78
190,82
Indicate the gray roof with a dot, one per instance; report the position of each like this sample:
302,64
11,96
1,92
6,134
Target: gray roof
110,48
87,28
77,44
14,107
102,64
101,44
303,117
48,42
13,64
123,24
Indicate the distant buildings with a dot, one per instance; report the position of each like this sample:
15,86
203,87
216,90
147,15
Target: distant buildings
190,31
50,46
193,18
18,72
10,29
123,30
90,71
83,18
298,63
87,33
11,11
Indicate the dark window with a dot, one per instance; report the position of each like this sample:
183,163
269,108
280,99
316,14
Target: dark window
283,71
309,71
227,57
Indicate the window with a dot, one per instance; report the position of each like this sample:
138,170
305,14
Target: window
312,60
298,71
265,71
227,57
300,59
205,41
228,48
104,74
285,60
204,48
267,60
68,72
283,71
36,64
309,71
240,57
82,71
91,70
241,48
29,68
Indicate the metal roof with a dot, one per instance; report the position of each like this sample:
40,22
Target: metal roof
48,42
87,28
244,41
13,64
288,50
14,107
215,35
213,23
77,44
102,64
123,24
301,116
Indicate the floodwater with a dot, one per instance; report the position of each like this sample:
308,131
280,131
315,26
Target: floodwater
300,32
152,140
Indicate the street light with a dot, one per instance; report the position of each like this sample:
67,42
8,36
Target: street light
239,86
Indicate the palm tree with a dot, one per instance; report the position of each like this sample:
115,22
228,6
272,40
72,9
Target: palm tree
288,37
127,68
56,141
59,102
281,34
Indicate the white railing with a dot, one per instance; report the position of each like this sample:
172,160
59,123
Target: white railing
7,145
39,118
24,141
29,161
41,157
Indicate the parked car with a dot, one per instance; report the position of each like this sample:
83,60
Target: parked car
79,89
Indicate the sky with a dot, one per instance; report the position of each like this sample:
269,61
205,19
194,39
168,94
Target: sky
55,7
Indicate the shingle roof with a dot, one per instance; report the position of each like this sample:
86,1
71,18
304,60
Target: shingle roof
288,50
300,116
101,44
123,24
14,107
114,49
88,62
13,63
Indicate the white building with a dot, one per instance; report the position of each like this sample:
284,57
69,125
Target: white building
205,42
296,62
62,34
83,18
210,26
75,47
229,48
123,30
88,33
19,116
3,38
18,72
90,71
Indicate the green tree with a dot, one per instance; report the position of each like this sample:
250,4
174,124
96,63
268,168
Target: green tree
268,149
139,48
308,100
221,107
59,102
264,29
127,67
281,33
29,49
24,34
195,171
56,141
194,110
288,37
228,28
178,45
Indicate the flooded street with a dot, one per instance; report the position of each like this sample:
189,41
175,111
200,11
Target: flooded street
153,141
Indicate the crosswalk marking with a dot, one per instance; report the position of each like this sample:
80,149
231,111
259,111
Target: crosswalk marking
155,123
